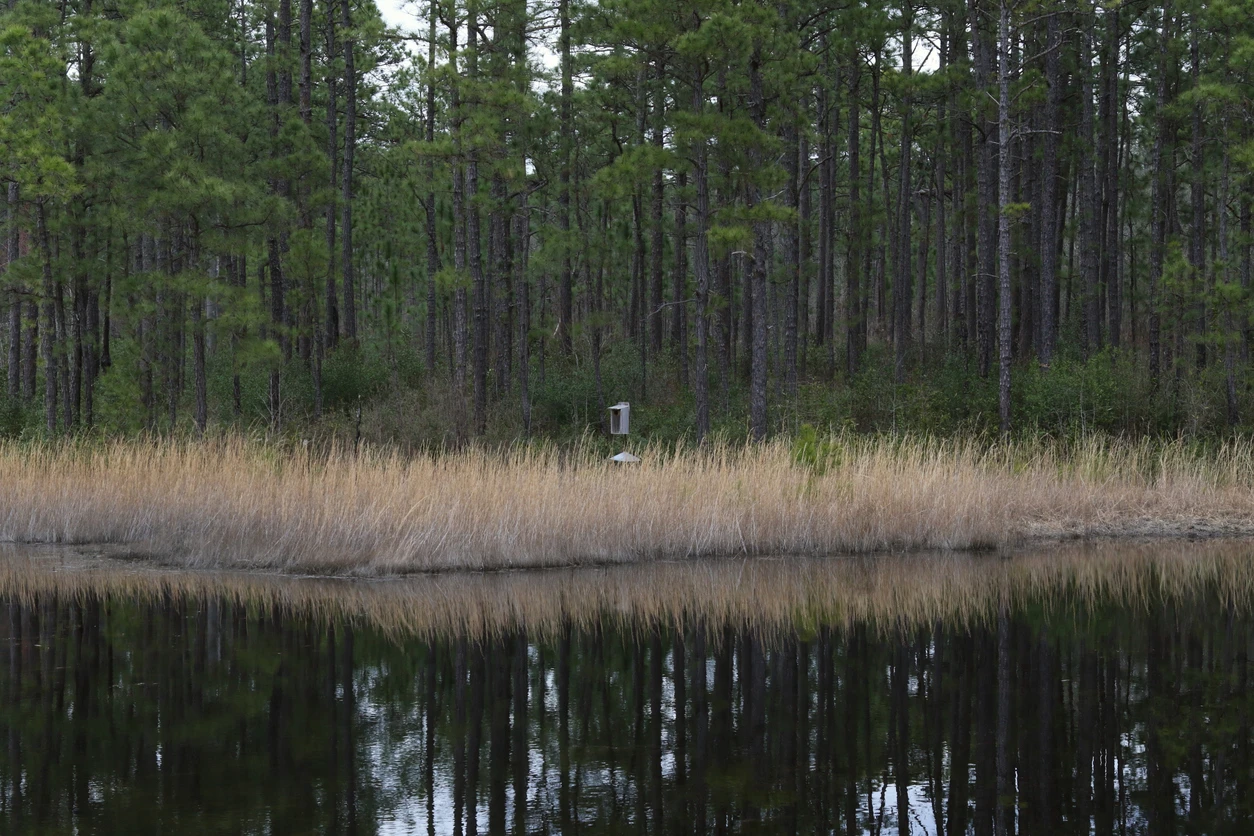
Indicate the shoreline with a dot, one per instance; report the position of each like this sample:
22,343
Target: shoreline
1152,534
234,505
775,595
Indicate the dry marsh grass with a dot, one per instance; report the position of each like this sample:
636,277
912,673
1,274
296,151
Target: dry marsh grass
775,596
237,504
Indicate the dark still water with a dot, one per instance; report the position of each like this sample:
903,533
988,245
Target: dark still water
1115,705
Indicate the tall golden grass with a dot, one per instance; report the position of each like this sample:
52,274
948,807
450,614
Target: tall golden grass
773,595
233,503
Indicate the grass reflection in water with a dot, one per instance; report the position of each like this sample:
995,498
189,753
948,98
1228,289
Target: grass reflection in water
1094,687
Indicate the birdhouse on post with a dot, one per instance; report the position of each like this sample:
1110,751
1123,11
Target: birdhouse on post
620,418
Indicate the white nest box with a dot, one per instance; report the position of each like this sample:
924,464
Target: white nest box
620,418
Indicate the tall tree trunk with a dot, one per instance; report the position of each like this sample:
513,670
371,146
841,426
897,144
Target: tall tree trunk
48,328
1112,246
478,279
1197,198
1049,190
679,289
306,61
275,90
346,180
11,239
1087,197
459,215
657,244
1004,140
701,264
986,175
310,307
757,282
565,309
792,259
1231,334
902,295
522,286
201,415
943,140
1158,197
433,256
855,327
332,294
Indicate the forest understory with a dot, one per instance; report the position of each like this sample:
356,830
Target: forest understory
230,503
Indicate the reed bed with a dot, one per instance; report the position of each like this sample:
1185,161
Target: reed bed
236,504
774,596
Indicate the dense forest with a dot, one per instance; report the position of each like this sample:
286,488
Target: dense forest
740,215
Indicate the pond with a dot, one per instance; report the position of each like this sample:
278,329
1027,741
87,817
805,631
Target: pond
1088,688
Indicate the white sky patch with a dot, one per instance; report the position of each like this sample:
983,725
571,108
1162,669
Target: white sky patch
399,13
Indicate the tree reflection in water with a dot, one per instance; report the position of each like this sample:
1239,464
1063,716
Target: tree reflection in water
200,713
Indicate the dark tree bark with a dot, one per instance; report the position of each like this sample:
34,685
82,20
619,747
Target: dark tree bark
701,266
11,240
478,280
986,176
1230,326
201,413
902,296
679,288
433,256
1111,246
855,325
757,282
1197,199
1087,198
522,287
792,260
657,242
1158,197
346,180
565,308
459,216
1049,191
48,329
1004,140
943,140
332,294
